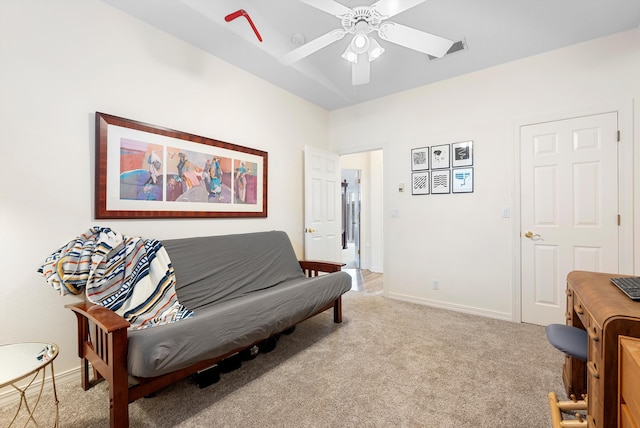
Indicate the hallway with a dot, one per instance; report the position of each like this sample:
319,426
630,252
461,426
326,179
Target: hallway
365,280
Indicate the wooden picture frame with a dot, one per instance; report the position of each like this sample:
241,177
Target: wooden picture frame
146,171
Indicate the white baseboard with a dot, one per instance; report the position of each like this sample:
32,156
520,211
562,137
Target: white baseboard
10,396
451,306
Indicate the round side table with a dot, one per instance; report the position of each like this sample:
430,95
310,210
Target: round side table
26,360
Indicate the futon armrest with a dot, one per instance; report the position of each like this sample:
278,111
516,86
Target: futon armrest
313,267
106,319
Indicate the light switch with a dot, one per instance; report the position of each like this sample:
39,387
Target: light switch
394,213
400,187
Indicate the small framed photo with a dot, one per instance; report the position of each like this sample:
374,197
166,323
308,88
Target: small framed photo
420,183
462,180
440,156
462,154
420,159
440,181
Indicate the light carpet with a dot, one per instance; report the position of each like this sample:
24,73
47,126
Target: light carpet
389,364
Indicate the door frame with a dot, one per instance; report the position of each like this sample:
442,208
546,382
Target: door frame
624,109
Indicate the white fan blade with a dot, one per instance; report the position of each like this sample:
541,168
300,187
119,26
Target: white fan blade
414,39
360,71
329,6
389,8
312,46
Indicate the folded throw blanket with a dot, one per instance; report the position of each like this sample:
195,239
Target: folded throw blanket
131,276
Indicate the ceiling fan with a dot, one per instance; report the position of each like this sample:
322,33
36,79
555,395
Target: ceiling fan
363,48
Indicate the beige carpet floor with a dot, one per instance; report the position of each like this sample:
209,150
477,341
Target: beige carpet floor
389,364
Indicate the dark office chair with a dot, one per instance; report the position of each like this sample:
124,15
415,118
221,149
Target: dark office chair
573,342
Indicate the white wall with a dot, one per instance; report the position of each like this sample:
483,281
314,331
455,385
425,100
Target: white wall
61,61
462,239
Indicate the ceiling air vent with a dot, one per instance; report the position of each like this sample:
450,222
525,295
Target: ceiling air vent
456,47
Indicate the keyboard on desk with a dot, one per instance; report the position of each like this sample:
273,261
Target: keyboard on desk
629,286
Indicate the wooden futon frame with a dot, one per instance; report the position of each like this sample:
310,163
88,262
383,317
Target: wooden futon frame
103,343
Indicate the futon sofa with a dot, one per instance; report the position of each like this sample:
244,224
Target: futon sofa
242,289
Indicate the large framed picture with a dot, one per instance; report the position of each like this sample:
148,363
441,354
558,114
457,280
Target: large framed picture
146,171
462,180
440,156
420,159
462,154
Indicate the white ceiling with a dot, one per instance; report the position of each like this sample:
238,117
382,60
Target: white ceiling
494,32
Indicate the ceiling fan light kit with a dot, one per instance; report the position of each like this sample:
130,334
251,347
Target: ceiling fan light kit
361,45
363,20
375,50
350,55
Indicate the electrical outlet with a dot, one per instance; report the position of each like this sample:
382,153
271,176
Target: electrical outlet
436,284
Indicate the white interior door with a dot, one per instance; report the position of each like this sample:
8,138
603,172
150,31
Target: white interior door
322,209
569,212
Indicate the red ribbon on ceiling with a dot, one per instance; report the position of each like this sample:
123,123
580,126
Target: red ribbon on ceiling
244,13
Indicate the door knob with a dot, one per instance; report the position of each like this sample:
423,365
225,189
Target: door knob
531,235
309,230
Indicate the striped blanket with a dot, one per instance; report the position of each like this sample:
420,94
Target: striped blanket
131,276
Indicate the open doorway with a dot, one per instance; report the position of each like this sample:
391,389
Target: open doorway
351,218
363,219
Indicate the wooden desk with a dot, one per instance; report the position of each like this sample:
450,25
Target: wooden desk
597,306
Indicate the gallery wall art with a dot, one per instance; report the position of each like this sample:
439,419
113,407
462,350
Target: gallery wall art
442,169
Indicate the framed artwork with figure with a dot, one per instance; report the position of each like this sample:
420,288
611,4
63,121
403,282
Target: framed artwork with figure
147,171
